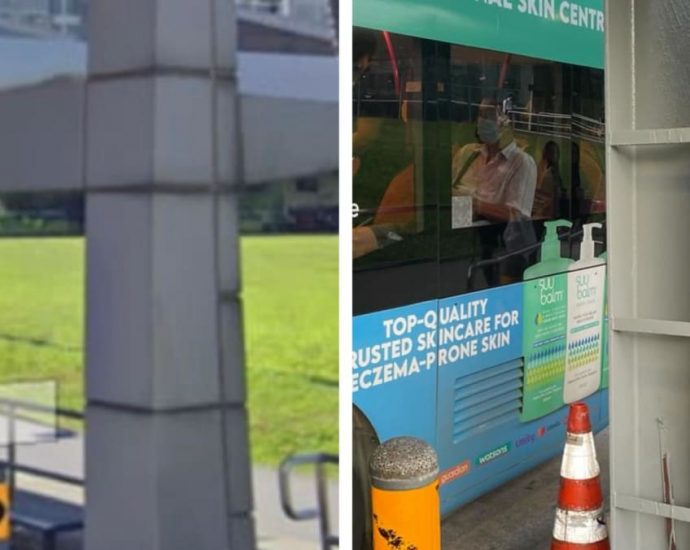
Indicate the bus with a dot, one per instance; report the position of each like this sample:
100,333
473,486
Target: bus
479,214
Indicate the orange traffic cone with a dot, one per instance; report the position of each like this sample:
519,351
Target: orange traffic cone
580,521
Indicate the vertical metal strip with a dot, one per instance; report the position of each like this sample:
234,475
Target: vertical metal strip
215,195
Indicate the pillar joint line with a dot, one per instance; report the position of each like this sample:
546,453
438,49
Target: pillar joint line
167,188
232,297
221,75
165,411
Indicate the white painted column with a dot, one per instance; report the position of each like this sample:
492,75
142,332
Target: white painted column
167,460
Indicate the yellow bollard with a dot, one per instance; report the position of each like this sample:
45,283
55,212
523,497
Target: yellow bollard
406,511
5,529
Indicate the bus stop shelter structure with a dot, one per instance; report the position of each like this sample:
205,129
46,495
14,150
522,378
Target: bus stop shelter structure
648,132
161,137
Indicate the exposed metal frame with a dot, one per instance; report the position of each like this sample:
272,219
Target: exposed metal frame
648,196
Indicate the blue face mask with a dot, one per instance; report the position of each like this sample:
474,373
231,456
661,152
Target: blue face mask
488,130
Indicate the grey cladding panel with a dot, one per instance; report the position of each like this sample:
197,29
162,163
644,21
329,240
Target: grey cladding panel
648,199
41,141
288,138
662,43
661,189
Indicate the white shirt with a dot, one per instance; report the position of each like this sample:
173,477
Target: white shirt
509,178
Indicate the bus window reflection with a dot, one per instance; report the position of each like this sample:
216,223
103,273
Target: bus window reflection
549,183
387,135
494,181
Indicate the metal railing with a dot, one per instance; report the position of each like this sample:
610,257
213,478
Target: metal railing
546,124
321,511
16,410
328,540
589,128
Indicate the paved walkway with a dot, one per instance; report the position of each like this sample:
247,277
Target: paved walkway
275,531
519,515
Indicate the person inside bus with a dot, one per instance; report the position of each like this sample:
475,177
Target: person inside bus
498,181
549,182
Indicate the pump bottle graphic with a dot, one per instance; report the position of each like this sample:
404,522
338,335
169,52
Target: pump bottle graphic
545,304
586,284
551,261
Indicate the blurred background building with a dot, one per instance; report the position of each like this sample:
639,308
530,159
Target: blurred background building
210,118
288,81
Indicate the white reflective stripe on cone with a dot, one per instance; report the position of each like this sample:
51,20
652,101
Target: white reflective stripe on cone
580,527
579,457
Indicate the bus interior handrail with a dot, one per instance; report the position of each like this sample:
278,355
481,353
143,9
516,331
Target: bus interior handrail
565,236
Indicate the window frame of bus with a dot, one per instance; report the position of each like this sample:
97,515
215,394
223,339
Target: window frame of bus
379,283
381,279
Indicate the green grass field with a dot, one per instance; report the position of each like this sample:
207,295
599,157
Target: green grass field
291,329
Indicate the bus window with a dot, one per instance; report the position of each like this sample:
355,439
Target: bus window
526,145
459,156
394,211
589,164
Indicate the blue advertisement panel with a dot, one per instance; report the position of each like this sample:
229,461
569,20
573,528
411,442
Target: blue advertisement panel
394,370
452,372
480,328
479,379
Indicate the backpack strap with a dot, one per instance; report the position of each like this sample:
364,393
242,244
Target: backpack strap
465,167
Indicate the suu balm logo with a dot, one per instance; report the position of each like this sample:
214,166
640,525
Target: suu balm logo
548,293
584,290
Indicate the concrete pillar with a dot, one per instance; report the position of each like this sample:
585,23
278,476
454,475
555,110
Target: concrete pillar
167,461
